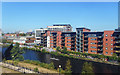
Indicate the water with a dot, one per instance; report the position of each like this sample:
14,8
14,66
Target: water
76,64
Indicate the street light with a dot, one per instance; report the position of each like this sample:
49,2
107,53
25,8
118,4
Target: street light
59,69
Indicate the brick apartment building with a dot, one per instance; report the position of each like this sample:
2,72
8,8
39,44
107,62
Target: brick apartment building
54,39
105,43
83,40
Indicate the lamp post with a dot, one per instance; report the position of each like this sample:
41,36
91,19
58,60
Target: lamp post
59,69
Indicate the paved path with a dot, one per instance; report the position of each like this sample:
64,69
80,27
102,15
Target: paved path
16,68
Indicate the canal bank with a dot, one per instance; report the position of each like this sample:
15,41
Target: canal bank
76,64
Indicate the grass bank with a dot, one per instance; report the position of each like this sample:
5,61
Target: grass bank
32,65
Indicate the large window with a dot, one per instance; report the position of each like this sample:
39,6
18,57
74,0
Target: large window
106,35
106,52
68,44
68,41
93,51
106,48
92,43
68,38
93,47
106,43
93,39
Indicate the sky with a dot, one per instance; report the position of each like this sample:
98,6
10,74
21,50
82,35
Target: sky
25,16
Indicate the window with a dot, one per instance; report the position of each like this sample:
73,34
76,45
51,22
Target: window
111,39
68,48
106,35
92,43
111,34
106,39
68,38
106,48
68,45
68,41
93,51
93,39
111,44
111,52
106,43
106,52
111,48
93,47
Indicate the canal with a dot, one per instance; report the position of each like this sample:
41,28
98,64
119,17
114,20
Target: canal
76,64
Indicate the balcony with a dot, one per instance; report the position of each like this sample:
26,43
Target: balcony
100,36
117,42
85,40
85,49
85,44
117,51
72,44
85,36
100,45
54,39
73,36
117,46
100,41
117,38
100,49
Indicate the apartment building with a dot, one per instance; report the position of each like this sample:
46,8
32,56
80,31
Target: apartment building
38,33
83,40
54,39
55,27
116,43
79,38
106,42
108,47
93,42
68,40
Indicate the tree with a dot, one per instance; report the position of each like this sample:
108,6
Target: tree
35,46
16,53
36,69
4,40
87,68
118,59
68,67
58,48
40,47
65,49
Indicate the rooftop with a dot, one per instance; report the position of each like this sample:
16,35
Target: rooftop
61,25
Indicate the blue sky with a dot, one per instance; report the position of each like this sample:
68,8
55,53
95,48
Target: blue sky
24,16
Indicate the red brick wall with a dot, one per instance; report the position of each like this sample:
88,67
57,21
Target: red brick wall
58,42
109,42
66,39
92,45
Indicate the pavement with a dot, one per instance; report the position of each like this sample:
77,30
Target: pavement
17,68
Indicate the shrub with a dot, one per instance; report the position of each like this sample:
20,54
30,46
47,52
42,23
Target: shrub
36,69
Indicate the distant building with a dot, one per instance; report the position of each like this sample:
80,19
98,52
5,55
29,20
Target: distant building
25,40
60,27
